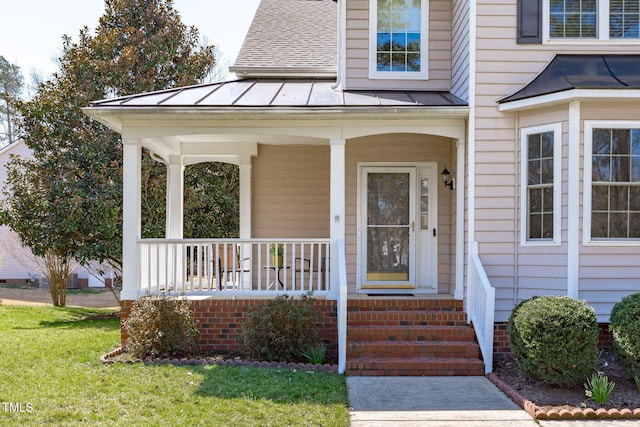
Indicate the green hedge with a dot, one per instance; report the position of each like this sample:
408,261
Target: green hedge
554,339
625,329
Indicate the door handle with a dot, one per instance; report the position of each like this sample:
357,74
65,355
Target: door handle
434,232
413,226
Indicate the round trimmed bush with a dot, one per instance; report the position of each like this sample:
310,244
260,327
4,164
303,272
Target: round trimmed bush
161,326
625,328
554,339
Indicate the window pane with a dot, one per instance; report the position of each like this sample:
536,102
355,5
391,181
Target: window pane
547,171
634,199
547,228
620,143
600,198
601,169
534,172
623,18
601,141
599,225
547,199
533,146
634,225
618,225
619,199
546,140
535,226
572,18
535,200
620,169
398,42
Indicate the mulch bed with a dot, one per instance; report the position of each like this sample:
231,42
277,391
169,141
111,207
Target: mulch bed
544,401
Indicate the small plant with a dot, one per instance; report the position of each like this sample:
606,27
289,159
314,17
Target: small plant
161,326
281,330
554,339
316,353
599,388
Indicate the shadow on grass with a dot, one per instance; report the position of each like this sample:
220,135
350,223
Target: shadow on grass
74,318
278,385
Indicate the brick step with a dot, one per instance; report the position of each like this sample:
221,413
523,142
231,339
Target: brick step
404,349
388,318
410,333
415,366
410,304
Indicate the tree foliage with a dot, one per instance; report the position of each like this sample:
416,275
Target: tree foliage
67,200
11,84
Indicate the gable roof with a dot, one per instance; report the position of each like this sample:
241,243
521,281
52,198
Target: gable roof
566,72
290,38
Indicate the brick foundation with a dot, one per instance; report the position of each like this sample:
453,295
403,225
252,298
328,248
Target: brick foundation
220,323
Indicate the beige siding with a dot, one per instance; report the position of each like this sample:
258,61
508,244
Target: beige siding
408,148
439,49
502,68
290,192
460,49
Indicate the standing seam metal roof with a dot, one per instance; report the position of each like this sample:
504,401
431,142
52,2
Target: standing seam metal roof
281,93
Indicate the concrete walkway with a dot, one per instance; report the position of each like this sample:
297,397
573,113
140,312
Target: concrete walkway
431,401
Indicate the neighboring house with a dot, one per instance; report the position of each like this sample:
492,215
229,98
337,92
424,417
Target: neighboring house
344,121
18,266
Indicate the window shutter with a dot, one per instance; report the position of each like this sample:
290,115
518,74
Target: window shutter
529,27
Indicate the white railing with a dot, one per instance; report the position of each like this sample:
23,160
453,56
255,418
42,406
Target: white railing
233,266
342,307
481,299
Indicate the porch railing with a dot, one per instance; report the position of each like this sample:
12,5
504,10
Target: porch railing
342,307
481,305
233,266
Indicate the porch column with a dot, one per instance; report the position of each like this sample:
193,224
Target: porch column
131,224
458,292
337,231
175,198
245,200
337,205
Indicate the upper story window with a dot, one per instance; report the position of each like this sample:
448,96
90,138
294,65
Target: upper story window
541,162
593,19
398,39
612,182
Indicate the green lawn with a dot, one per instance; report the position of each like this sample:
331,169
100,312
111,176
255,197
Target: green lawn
50,373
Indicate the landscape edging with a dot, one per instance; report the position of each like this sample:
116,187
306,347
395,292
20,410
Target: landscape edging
106,358
561,414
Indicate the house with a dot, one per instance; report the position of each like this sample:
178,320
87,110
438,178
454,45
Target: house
418,164
18,265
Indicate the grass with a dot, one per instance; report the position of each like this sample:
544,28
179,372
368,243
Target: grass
50,365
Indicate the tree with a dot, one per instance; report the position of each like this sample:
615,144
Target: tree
67,200
11,83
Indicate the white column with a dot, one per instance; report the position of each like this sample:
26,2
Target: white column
245,200
175,198
337,204
458,293
131,224
337,232
573,209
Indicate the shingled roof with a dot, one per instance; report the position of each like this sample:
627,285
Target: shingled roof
290,38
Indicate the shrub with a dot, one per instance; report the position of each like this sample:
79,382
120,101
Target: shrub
625,329
281,330
161,327
554,339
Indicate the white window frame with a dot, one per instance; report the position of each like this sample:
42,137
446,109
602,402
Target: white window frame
556,128
589,125
602,28
423,74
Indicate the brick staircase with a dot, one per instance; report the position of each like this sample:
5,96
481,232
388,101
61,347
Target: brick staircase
410,337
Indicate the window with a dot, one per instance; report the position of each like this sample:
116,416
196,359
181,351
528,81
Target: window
593,19
398,39
612,181
541,163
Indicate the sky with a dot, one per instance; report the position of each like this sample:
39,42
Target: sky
31,30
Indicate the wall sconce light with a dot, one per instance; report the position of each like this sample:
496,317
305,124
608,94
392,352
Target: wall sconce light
448,182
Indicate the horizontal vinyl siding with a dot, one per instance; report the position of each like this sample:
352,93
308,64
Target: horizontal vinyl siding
502,68
460,49
290,192
408,148
439,49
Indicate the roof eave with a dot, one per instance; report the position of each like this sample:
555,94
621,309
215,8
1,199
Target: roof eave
271,72
568,96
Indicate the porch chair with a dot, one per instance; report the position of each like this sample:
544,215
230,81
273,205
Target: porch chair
228,265
303,266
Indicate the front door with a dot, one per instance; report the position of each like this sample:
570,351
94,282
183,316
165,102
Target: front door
398,207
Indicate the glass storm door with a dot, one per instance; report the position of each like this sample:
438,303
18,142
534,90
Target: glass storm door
388,235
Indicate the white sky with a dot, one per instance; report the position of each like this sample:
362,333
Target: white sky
31,30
